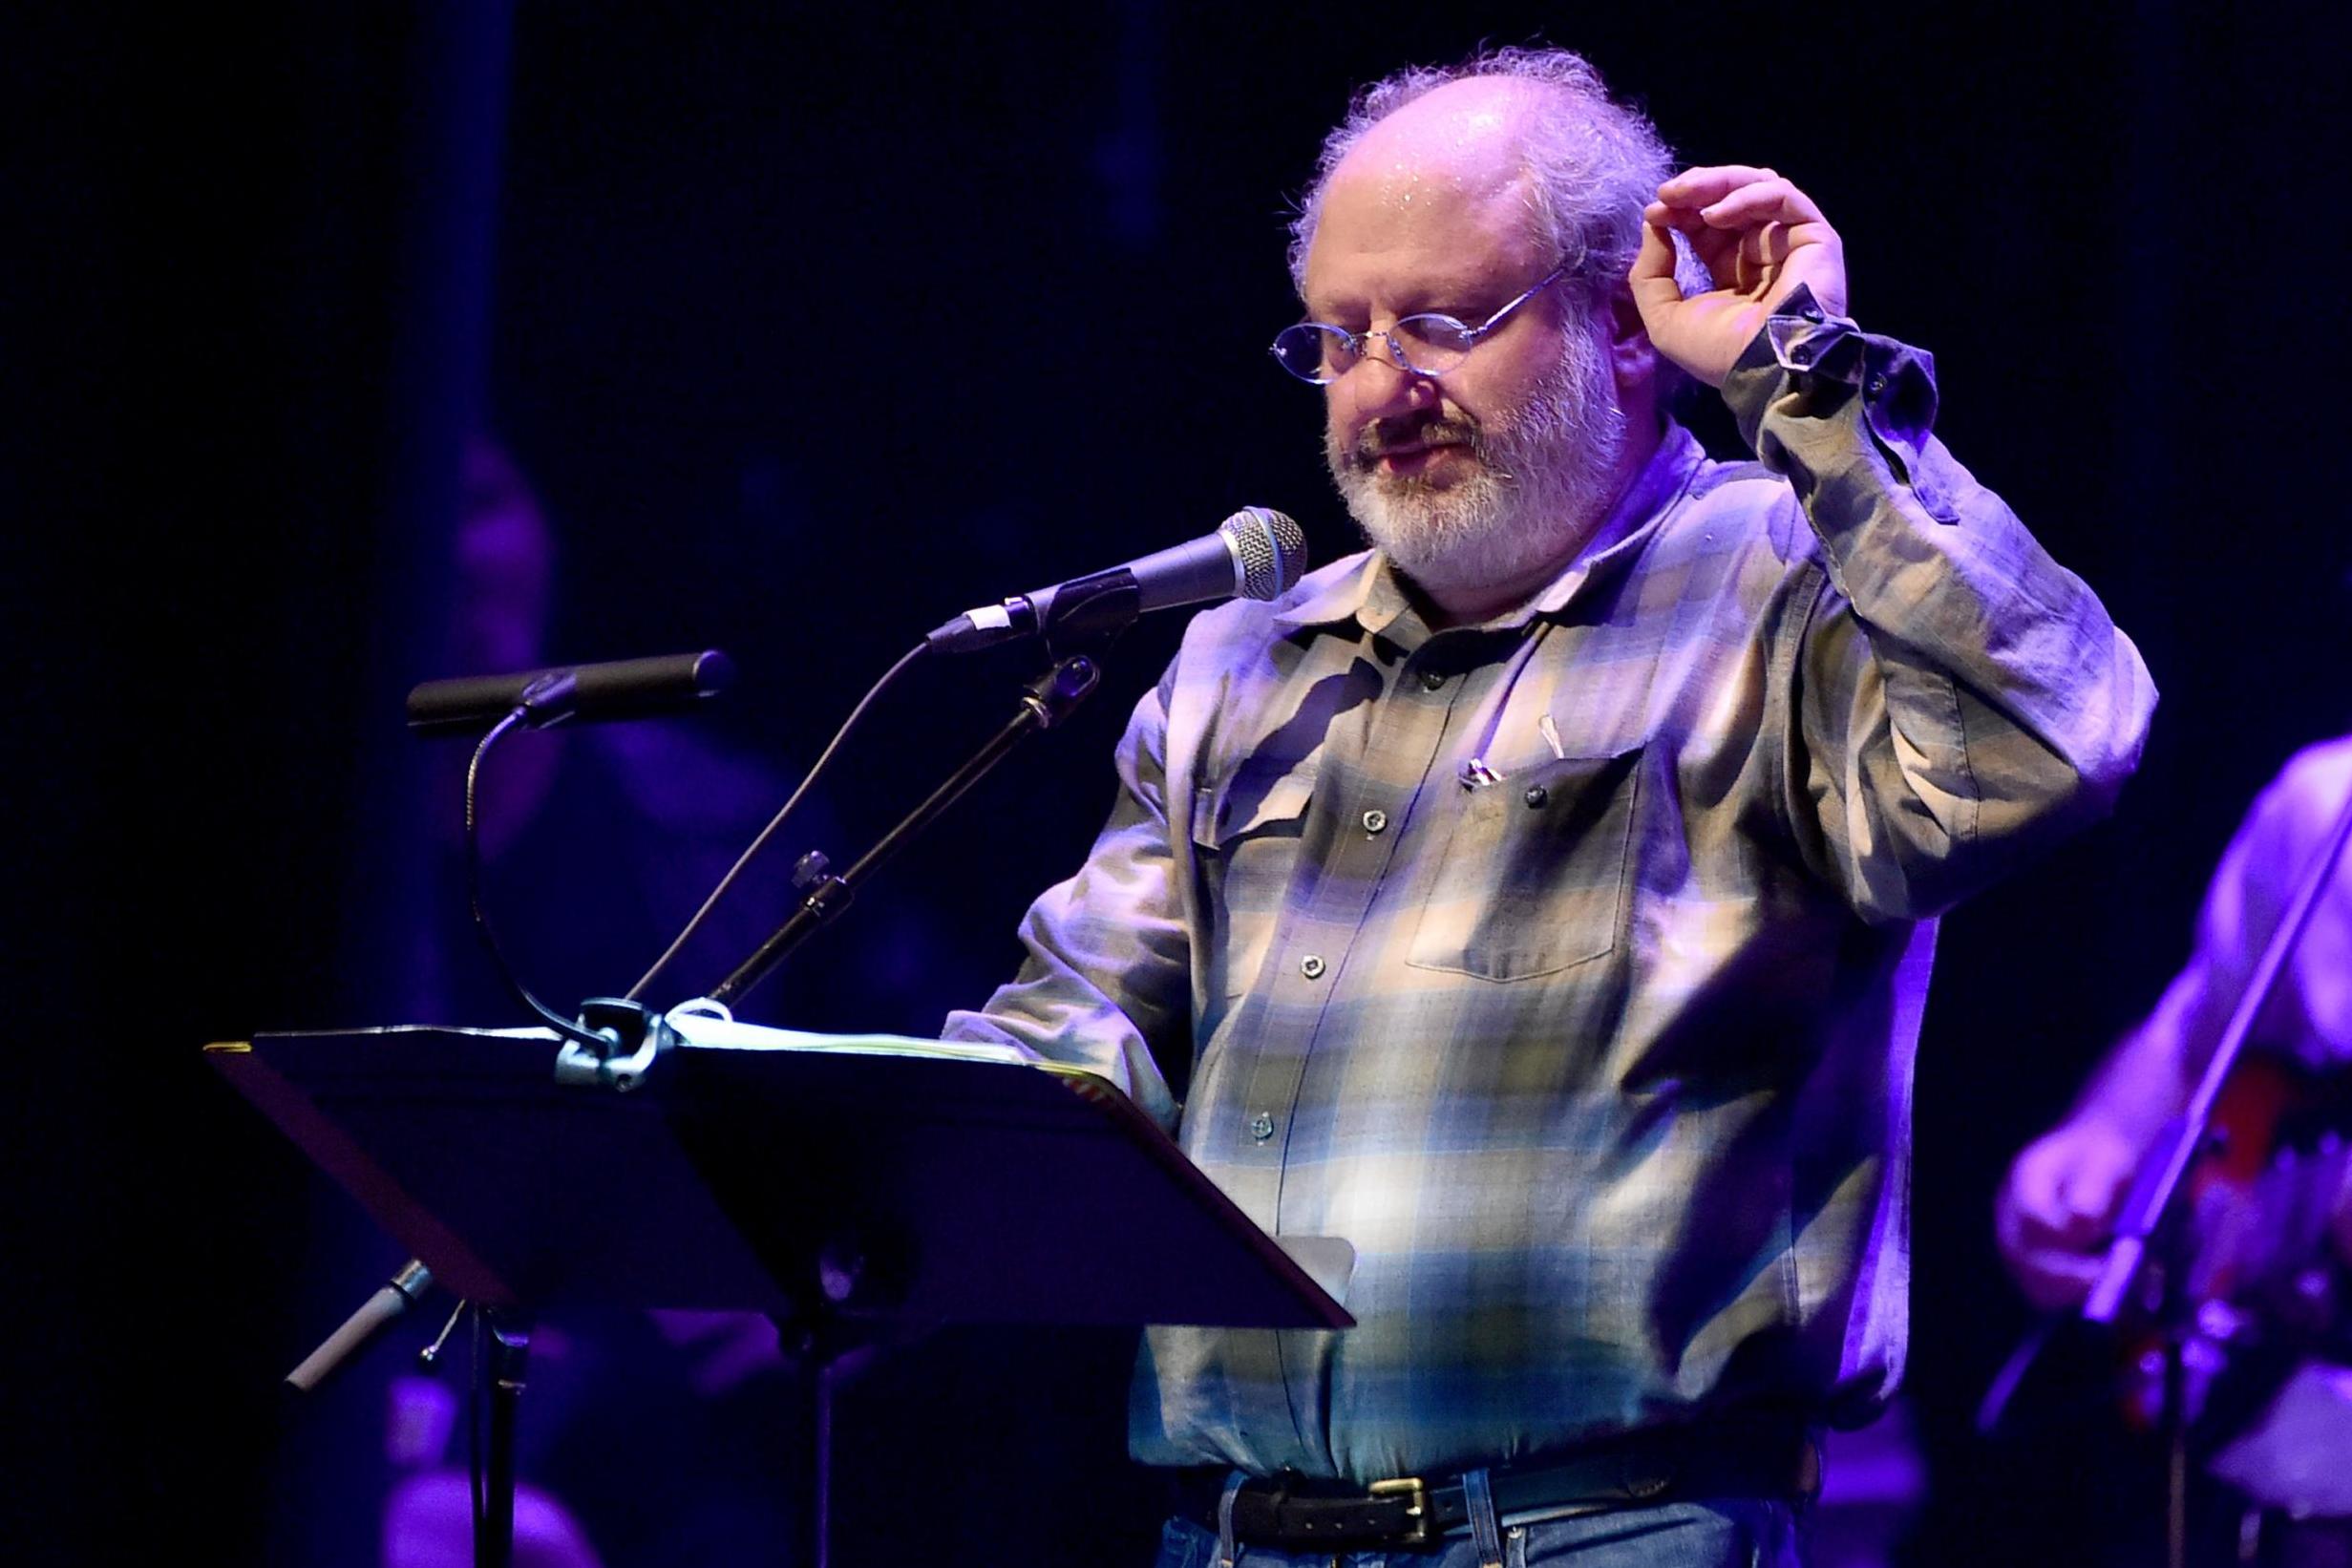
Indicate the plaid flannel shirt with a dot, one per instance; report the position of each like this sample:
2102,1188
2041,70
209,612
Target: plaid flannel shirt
1569,967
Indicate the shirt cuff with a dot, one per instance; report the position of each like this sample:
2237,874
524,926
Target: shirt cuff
1811,367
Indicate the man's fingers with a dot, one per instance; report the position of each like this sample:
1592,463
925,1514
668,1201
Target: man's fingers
1717,249
1744,223
1655,260
1703,187
1760,250
1767,201
1652,282
1684,219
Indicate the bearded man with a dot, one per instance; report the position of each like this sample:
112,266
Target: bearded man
1541,901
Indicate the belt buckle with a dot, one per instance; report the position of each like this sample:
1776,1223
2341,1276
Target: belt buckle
1416,1492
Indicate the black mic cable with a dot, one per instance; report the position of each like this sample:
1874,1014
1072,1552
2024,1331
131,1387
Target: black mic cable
1256,553
541,704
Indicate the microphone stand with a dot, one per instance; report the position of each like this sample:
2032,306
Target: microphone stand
1084,619
2150,1205
507,1339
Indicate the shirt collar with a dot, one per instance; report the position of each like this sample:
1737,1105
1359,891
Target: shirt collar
1368,592
1342,596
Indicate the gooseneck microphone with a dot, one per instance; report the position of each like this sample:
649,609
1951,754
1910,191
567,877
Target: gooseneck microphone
626,689
1258,553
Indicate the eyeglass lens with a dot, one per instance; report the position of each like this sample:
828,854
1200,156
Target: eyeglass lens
1430,345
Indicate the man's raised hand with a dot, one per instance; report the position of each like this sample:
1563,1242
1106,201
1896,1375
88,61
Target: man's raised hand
1759,237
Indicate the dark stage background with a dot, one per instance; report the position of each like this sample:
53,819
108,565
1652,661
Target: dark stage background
812,326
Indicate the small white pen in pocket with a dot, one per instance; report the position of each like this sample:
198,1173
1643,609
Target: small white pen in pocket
1550,732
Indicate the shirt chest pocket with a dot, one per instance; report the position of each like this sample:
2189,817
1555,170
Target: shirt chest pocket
1531,874
1246,834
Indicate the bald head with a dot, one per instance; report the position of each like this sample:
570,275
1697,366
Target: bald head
1470,134
1457,155
1532,128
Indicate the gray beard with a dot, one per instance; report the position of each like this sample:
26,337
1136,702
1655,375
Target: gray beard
1546,475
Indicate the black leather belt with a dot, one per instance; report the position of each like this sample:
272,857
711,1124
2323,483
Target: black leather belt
1293,1511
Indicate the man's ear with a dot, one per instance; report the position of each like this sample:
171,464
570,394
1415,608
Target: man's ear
1632,357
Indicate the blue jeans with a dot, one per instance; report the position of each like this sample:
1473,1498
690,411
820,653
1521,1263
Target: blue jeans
1728,1532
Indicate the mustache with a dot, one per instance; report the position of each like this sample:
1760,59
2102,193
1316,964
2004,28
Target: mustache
1377,439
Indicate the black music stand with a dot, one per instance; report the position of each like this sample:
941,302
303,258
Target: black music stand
853,1192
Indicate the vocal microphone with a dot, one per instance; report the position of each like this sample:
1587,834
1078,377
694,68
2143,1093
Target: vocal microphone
1258,553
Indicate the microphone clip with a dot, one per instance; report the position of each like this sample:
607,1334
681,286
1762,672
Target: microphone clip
1088,615
632,1036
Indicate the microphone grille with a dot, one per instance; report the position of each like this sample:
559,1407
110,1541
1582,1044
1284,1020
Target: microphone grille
1270,549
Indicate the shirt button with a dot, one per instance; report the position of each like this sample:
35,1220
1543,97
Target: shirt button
1311,966
1431,680
1536,794
1375,820
1262,1127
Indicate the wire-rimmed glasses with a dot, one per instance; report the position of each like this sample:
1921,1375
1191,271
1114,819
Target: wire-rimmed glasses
1430,344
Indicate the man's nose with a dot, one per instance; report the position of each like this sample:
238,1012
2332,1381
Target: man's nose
1376,386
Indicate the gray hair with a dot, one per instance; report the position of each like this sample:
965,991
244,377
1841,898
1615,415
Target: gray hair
1594,163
